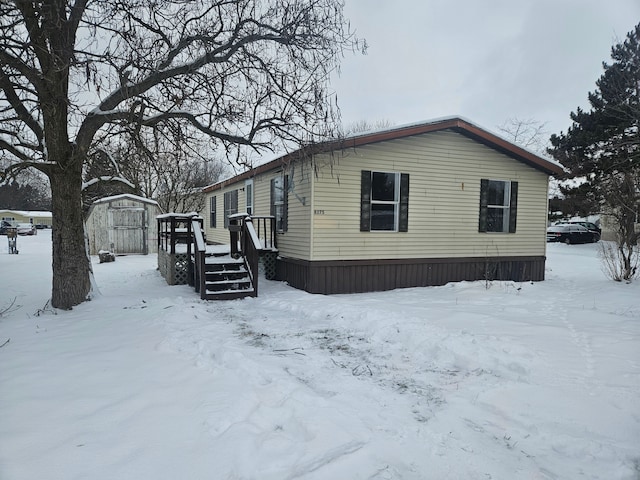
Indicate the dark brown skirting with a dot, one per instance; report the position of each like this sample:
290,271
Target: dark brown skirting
357,276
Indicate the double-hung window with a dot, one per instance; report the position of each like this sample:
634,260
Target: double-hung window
248,190
230,205
212,212
384,201
279,201
498,206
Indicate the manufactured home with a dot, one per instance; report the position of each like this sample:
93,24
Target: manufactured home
416,205
39,218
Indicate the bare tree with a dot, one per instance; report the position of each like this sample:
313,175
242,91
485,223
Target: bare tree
529,134
103,178
171,169
362,126
532,135
76,73
181,182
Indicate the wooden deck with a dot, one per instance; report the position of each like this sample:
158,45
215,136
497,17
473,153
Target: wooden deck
217,272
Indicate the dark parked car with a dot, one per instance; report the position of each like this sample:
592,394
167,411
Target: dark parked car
592,227
571,233
4,226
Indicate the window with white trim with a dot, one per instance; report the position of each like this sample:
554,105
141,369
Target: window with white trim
248,191
279,204
212,212
230,205
498,205
384,201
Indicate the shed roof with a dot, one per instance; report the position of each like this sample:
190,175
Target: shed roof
126,196
457,124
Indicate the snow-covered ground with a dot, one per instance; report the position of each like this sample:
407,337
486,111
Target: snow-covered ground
463,381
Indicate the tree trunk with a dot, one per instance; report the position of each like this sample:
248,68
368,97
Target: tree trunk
626,198
71,265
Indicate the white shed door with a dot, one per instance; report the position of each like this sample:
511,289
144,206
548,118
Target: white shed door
127,230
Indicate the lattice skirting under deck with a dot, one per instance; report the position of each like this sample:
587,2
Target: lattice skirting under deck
174,267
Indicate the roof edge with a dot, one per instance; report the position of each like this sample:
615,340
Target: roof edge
120,196
458,124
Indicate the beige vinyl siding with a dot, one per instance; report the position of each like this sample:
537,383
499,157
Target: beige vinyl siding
296,240
16,217
220,235
445,170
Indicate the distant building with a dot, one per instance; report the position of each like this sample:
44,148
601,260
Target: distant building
26,216
609,227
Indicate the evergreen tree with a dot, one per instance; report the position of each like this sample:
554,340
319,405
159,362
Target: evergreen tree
603,146
17,196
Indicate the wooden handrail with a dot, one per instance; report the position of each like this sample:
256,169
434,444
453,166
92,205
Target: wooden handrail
251,247
200,250
197,234
249,242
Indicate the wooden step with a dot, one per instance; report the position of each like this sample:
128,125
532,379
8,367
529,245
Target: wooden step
223,270
224,260
226,278
225,275
216,254
223,285
229,294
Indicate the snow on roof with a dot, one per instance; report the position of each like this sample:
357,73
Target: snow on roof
28,213
435,121
127,196
192,215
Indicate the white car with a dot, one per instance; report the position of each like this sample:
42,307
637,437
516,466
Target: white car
26,229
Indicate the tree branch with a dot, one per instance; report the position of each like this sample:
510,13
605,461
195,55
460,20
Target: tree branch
18,106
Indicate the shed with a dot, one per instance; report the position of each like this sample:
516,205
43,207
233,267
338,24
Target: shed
123,224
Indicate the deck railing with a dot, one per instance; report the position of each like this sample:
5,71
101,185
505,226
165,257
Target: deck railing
264,228
176,245
250,237
175,229
181,242
266,231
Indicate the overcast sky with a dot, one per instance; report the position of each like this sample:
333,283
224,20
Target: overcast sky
487,60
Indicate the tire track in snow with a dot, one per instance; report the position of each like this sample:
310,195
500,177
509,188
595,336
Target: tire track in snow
581,341
328,457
